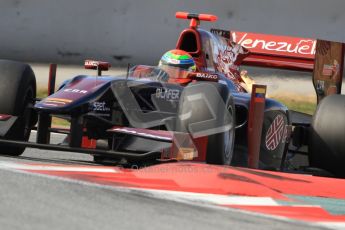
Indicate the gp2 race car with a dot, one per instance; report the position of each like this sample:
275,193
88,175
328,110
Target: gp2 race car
214,114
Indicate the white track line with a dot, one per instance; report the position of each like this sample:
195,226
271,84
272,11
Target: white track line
213,198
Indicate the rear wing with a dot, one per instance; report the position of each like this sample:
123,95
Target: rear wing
324,59
277,51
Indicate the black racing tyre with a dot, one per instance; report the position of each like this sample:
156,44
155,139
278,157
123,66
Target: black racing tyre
272,143
273,137
17,94
327,136
221,145
199,103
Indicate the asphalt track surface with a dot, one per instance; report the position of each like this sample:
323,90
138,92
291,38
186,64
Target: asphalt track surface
33,201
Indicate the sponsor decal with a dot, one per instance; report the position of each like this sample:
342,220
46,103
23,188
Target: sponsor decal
228,58
75,91
99,106
207,76
275,133
327,70
91,64
167,94
327,73
273,44
330,70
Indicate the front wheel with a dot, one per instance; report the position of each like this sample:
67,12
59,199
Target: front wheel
207,110
17,94
220,146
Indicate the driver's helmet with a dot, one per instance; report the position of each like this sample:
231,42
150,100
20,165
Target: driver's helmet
178,58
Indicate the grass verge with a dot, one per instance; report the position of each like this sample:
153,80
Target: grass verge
300,104
60,122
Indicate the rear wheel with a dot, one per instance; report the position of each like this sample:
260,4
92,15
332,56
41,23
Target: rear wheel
273,139
327,137
17,94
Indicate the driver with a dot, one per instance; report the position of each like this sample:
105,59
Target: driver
176,61
173,66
